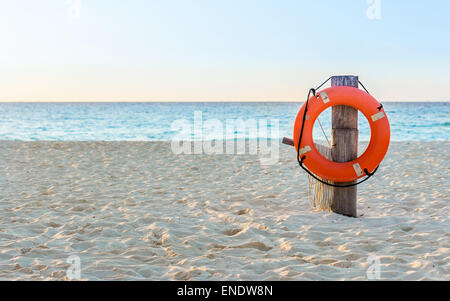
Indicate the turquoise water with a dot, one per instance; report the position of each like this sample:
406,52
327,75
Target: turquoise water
153,121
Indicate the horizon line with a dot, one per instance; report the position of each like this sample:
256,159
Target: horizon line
197,101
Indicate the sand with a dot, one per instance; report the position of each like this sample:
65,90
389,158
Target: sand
135,211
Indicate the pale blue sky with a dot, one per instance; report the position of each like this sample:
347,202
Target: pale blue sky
219,50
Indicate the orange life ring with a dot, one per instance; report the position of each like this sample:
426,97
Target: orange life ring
379,127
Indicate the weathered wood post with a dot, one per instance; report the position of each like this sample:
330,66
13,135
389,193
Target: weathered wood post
344,141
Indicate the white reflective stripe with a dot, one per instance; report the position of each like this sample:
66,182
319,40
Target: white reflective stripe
378,116
358,170
305,150
324,96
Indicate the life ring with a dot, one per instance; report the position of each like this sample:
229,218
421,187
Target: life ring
379,127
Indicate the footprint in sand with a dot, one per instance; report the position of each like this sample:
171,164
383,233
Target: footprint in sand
232,232
407,229
254,245
243,211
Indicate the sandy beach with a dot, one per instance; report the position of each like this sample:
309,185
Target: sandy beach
135,211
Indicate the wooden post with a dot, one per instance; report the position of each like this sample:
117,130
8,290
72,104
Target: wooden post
288,141
344,140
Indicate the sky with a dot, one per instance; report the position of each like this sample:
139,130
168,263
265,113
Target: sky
221,50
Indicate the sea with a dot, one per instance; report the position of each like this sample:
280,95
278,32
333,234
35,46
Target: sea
409,121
